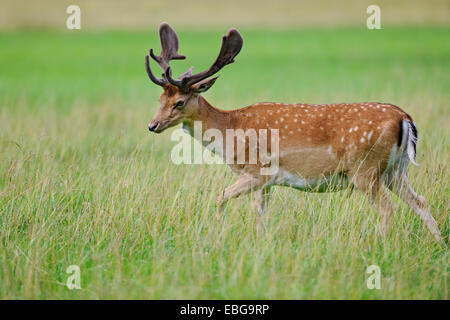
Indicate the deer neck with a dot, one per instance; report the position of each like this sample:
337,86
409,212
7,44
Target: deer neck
209,117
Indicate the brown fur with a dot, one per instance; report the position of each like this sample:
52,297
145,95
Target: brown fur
353,140
320,146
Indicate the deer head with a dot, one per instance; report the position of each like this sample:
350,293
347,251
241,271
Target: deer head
179,100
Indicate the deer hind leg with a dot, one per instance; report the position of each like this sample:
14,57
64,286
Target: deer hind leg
260,202
244,185
400,186
371,187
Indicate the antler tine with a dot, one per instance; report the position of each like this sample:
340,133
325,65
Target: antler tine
158,81
169,51
169,47
231,46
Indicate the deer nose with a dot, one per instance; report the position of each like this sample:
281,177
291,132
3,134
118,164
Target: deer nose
152,127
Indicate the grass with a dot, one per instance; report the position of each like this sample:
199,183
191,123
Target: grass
83,182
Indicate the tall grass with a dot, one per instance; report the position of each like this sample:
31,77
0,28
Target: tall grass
83,182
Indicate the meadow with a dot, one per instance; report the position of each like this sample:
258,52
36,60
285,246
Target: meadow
83,182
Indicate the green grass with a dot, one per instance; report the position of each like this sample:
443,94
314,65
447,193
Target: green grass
83,182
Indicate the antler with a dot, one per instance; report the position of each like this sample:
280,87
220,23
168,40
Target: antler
169,51
231,46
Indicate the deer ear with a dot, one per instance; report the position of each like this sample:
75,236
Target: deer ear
203,85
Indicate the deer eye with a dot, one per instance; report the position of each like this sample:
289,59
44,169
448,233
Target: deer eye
179,104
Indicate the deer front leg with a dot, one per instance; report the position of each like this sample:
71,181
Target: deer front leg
244,185
260,202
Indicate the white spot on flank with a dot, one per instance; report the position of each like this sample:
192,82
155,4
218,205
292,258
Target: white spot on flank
330,150
295,120
356,128
351,129
384,109
303,122
362,140
282,119
365,133
370,122
342,139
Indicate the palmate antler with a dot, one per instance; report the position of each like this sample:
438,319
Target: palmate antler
169,51
231,46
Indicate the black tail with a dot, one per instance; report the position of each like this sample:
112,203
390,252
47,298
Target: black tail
415,135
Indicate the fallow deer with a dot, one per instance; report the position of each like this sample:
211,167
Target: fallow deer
321,147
